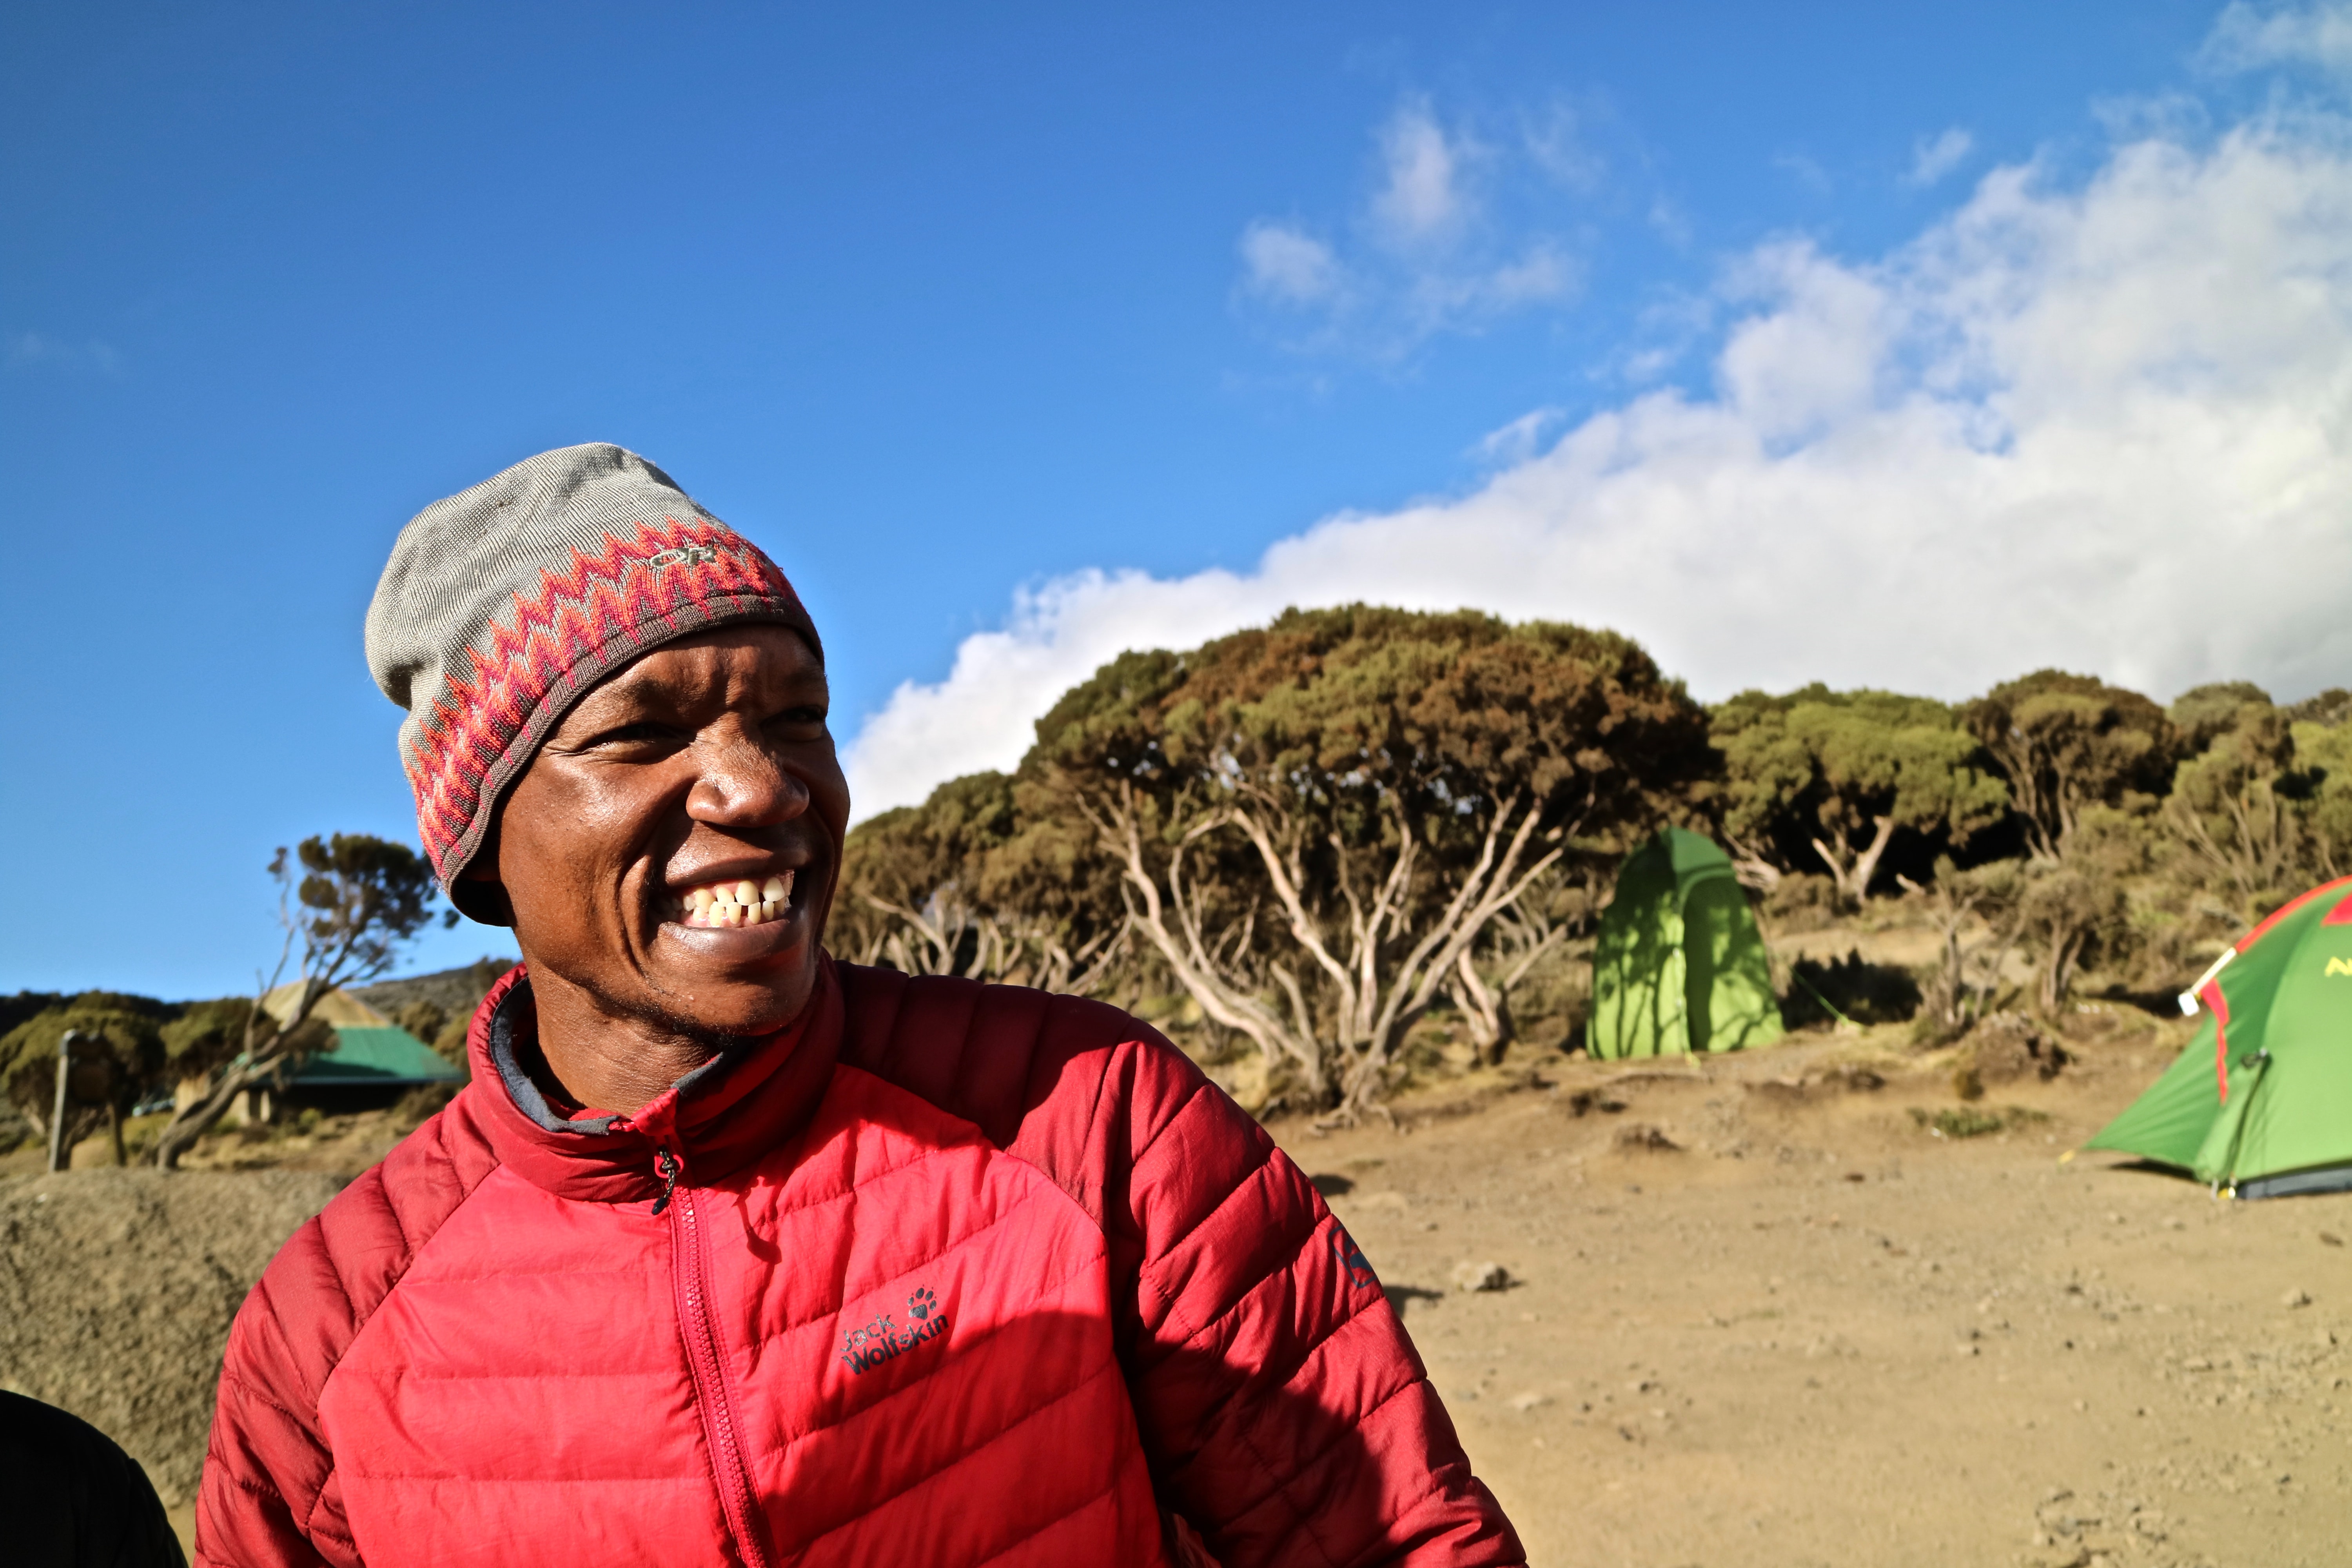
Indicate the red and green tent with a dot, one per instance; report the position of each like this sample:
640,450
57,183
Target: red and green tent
2260,1102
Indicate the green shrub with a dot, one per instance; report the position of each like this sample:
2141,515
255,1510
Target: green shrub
1972,1121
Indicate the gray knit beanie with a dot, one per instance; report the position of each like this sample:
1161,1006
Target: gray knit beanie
505,604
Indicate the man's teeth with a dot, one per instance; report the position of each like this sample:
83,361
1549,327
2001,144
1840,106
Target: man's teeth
739,903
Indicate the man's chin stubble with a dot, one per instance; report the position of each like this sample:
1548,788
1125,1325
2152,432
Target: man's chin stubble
667,1015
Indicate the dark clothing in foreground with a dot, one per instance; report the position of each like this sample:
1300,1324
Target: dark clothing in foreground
70,1498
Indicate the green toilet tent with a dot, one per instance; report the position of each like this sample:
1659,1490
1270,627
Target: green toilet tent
2260,1102
1680,965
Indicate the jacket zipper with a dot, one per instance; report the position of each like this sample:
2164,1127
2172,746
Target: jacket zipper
690,1275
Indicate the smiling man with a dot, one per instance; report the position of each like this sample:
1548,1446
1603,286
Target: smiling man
734,1254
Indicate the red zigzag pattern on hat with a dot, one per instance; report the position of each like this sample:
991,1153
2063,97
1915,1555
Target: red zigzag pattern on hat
577,613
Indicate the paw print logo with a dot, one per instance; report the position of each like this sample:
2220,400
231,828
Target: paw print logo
1351,1258
921,1305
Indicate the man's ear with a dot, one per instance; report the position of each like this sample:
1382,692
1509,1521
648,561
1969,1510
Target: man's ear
480,893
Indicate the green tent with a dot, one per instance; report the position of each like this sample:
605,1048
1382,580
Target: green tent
369,1055
2260,1102
1680,965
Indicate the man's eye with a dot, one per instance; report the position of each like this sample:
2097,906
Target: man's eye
635,735
810,716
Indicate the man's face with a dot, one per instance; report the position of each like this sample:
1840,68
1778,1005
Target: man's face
702,767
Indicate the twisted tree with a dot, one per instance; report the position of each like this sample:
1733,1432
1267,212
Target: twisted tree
968,884
2238,802
117,1052
2075,914
1832,775
1975,916
1562,903
1313,824
2067,743
2324,751
357,901
911,876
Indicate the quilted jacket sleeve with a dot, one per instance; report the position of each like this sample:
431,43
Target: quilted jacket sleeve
1284,1412
1277,1390
269,1498
267,1466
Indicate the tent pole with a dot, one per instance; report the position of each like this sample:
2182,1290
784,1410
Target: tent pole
2261,1064
2188,998
1824,1001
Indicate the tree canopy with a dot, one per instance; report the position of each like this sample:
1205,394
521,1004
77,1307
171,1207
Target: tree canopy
2233,802
2064,743
1315,821
1314,833
2324,752
118,1051
968,883
1833,776
915,877
348,905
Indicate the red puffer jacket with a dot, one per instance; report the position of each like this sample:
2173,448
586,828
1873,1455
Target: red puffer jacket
945,1274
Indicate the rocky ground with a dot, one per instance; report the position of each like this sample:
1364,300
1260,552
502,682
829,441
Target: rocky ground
117,1288
1753,1310
1759,1314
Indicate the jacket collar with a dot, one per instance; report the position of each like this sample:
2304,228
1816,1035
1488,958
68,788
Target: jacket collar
715,1121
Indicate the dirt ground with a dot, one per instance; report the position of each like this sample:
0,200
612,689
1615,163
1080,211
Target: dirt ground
116,1287
1755,1313
1758,1315
116,1292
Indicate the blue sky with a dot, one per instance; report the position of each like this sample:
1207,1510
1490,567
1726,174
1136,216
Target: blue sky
963,313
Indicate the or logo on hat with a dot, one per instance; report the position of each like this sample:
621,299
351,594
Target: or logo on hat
2339,966
692,555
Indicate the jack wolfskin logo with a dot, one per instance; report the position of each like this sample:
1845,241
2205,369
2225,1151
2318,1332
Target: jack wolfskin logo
1351,1258
863,1349
2339,966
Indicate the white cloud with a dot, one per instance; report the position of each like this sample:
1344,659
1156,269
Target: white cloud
1813,358
1805,171
1421,200
1289,264
2106,427
1934,157
1672,224
1556,141
1515,442
2249,37
1430,259
1544,272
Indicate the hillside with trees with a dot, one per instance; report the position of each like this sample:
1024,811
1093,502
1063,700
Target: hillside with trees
1359,846
1329,853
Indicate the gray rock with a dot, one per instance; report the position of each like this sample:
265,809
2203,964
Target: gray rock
1481,1276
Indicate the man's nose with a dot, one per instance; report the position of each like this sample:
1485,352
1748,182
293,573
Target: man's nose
741,784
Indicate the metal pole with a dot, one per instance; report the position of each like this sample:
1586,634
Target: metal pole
58,1153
